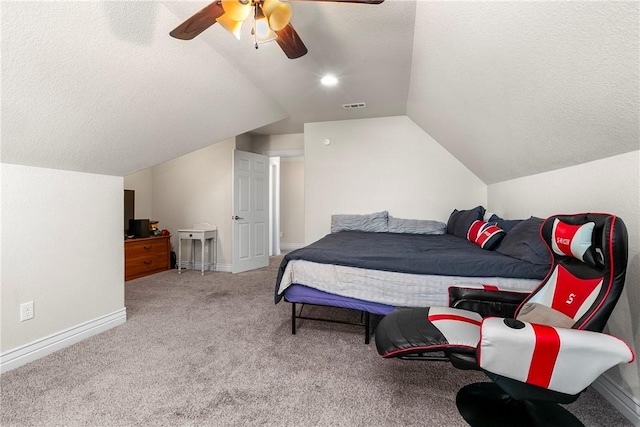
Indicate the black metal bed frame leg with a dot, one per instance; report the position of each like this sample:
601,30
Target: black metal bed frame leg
367,322
365,314
293,318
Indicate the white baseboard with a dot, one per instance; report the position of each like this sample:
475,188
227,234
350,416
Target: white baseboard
626,404
186,265
224,267
290,246
44,346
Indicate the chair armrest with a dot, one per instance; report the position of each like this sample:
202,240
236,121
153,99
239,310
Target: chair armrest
558,359
486,302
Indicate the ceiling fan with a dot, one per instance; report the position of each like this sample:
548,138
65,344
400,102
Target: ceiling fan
270,21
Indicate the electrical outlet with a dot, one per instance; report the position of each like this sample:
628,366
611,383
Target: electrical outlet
26,311
282,234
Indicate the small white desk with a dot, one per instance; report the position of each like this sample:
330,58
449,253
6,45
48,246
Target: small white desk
206,233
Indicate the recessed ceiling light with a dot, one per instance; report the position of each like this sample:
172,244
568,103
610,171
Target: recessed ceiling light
329,80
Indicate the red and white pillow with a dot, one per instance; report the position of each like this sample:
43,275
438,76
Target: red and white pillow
485,234
573,240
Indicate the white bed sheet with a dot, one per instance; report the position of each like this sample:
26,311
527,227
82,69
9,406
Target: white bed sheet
387,287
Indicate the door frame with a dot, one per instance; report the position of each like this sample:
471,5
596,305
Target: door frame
274,206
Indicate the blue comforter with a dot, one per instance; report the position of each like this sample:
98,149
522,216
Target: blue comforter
444,255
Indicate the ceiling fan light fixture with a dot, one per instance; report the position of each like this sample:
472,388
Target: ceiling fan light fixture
268,6
237,10
234,27
263,32
279,15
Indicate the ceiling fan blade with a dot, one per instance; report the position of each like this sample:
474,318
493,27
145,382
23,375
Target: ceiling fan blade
290,42
347,1
199,22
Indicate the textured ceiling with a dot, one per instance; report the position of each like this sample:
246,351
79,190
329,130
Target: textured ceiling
509,88
100,87
517,88
368,47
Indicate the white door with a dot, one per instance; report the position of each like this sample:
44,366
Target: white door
250,214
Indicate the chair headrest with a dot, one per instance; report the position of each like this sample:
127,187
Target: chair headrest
576,240
591,238
590,247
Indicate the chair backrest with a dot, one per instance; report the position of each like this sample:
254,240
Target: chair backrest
589,262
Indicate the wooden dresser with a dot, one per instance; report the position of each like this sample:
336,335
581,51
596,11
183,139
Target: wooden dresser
146,256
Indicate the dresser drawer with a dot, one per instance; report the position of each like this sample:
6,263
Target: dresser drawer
143,265
145,248
145,256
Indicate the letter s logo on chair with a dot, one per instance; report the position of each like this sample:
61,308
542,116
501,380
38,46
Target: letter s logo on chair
570,299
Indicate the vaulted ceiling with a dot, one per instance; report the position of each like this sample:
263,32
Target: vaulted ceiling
510,88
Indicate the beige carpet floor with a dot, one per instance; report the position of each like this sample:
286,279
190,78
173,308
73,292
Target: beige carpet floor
215,350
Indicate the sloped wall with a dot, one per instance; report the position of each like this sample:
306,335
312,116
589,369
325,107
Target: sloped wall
101,87
381,164
520,87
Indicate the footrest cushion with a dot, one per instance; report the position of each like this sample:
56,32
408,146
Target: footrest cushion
407,332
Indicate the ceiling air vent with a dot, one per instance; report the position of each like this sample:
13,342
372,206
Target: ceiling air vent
354,105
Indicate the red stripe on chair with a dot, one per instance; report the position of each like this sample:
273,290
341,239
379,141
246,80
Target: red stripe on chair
571,292
563,236
436,317
490,288
545,354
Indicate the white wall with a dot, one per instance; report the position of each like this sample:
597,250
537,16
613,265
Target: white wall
607,185
244,142
292,203
381,164
197,188
62,248
142,183
279,145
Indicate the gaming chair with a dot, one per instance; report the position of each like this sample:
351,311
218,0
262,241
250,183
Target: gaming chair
549,351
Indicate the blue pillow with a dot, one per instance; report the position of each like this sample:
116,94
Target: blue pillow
505,224
460,221
524,242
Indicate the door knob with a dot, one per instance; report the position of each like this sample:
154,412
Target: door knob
236,217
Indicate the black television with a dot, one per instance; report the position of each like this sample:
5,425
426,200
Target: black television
139,228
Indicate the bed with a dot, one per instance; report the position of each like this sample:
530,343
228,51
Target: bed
377,269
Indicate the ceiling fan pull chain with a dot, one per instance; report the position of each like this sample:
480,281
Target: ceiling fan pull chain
253,26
